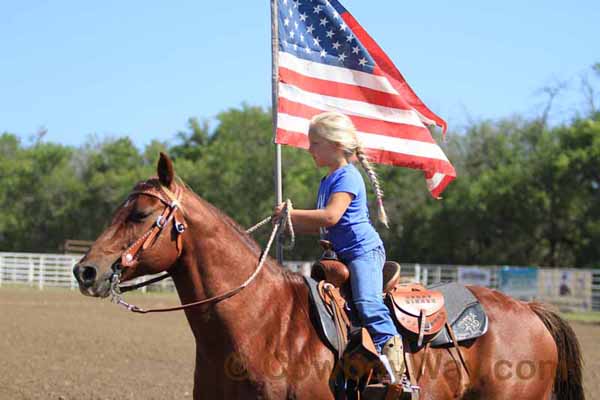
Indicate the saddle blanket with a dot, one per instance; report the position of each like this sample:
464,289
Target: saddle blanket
466,315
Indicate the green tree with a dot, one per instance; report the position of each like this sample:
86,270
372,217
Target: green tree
192,144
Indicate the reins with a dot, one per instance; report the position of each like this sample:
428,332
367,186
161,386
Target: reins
283,222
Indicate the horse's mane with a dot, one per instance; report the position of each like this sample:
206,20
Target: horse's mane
241,232
243,236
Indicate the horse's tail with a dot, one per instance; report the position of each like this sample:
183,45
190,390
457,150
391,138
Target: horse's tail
568,383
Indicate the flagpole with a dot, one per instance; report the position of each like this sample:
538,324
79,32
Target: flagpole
274,95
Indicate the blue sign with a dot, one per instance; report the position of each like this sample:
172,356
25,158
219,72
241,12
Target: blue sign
519,282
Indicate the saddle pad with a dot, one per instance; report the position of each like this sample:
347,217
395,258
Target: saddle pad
321,317
465,314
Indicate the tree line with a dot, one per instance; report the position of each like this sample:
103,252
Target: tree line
526,194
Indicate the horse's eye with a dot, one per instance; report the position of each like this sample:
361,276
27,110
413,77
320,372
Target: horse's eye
137,216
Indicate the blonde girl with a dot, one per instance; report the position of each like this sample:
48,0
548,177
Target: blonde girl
342,217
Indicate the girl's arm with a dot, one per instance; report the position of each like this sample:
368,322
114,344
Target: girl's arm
309,221
304,229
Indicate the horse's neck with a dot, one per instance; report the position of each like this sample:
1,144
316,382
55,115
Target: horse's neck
216,259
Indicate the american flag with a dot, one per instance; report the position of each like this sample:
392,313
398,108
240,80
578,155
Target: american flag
328,62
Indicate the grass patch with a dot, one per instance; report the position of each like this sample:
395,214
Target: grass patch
588,317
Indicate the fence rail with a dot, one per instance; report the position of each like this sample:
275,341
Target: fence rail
55,270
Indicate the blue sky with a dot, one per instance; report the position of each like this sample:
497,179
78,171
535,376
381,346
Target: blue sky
142,68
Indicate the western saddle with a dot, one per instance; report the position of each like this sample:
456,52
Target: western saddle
419,313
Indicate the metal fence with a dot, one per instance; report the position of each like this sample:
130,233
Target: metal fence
596,291
40,270
54,270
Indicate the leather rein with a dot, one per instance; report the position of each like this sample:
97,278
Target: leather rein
171,201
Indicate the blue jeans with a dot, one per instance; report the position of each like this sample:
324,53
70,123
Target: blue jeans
366,280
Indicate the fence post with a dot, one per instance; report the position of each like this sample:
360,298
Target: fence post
1,269
14,270
41,277
30,275
425,276
417,273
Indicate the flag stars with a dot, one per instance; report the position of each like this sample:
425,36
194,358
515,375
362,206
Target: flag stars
321,35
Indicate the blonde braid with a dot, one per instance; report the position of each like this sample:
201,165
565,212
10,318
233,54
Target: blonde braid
364,161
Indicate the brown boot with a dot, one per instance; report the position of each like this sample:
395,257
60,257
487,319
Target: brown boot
393,350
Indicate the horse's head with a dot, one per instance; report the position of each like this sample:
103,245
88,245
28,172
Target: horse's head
143,238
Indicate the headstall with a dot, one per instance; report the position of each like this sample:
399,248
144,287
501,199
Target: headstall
172,203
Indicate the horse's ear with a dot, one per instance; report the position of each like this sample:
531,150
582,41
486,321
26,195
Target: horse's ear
165,170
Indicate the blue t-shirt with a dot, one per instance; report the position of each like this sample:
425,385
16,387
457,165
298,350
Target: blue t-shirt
353,235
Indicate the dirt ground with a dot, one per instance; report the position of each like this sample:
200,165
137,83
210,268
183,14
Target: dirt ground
57,344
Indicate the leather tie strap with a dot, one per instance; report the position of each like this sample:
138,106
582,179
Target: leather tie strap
408,360
424,361
456,346
335,303
422,322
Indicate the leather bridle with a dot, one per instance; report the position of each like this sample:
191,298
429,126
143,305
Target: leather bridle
171,200
172,205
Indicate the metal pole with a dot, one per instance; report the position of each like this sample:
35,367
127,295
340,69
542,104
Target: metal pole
274,94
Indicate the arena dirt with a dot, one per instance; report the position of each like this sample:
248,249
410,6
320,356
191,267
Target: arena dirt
59,345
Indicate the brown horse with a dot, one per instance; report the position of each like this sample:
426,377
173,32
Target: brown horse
260,342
